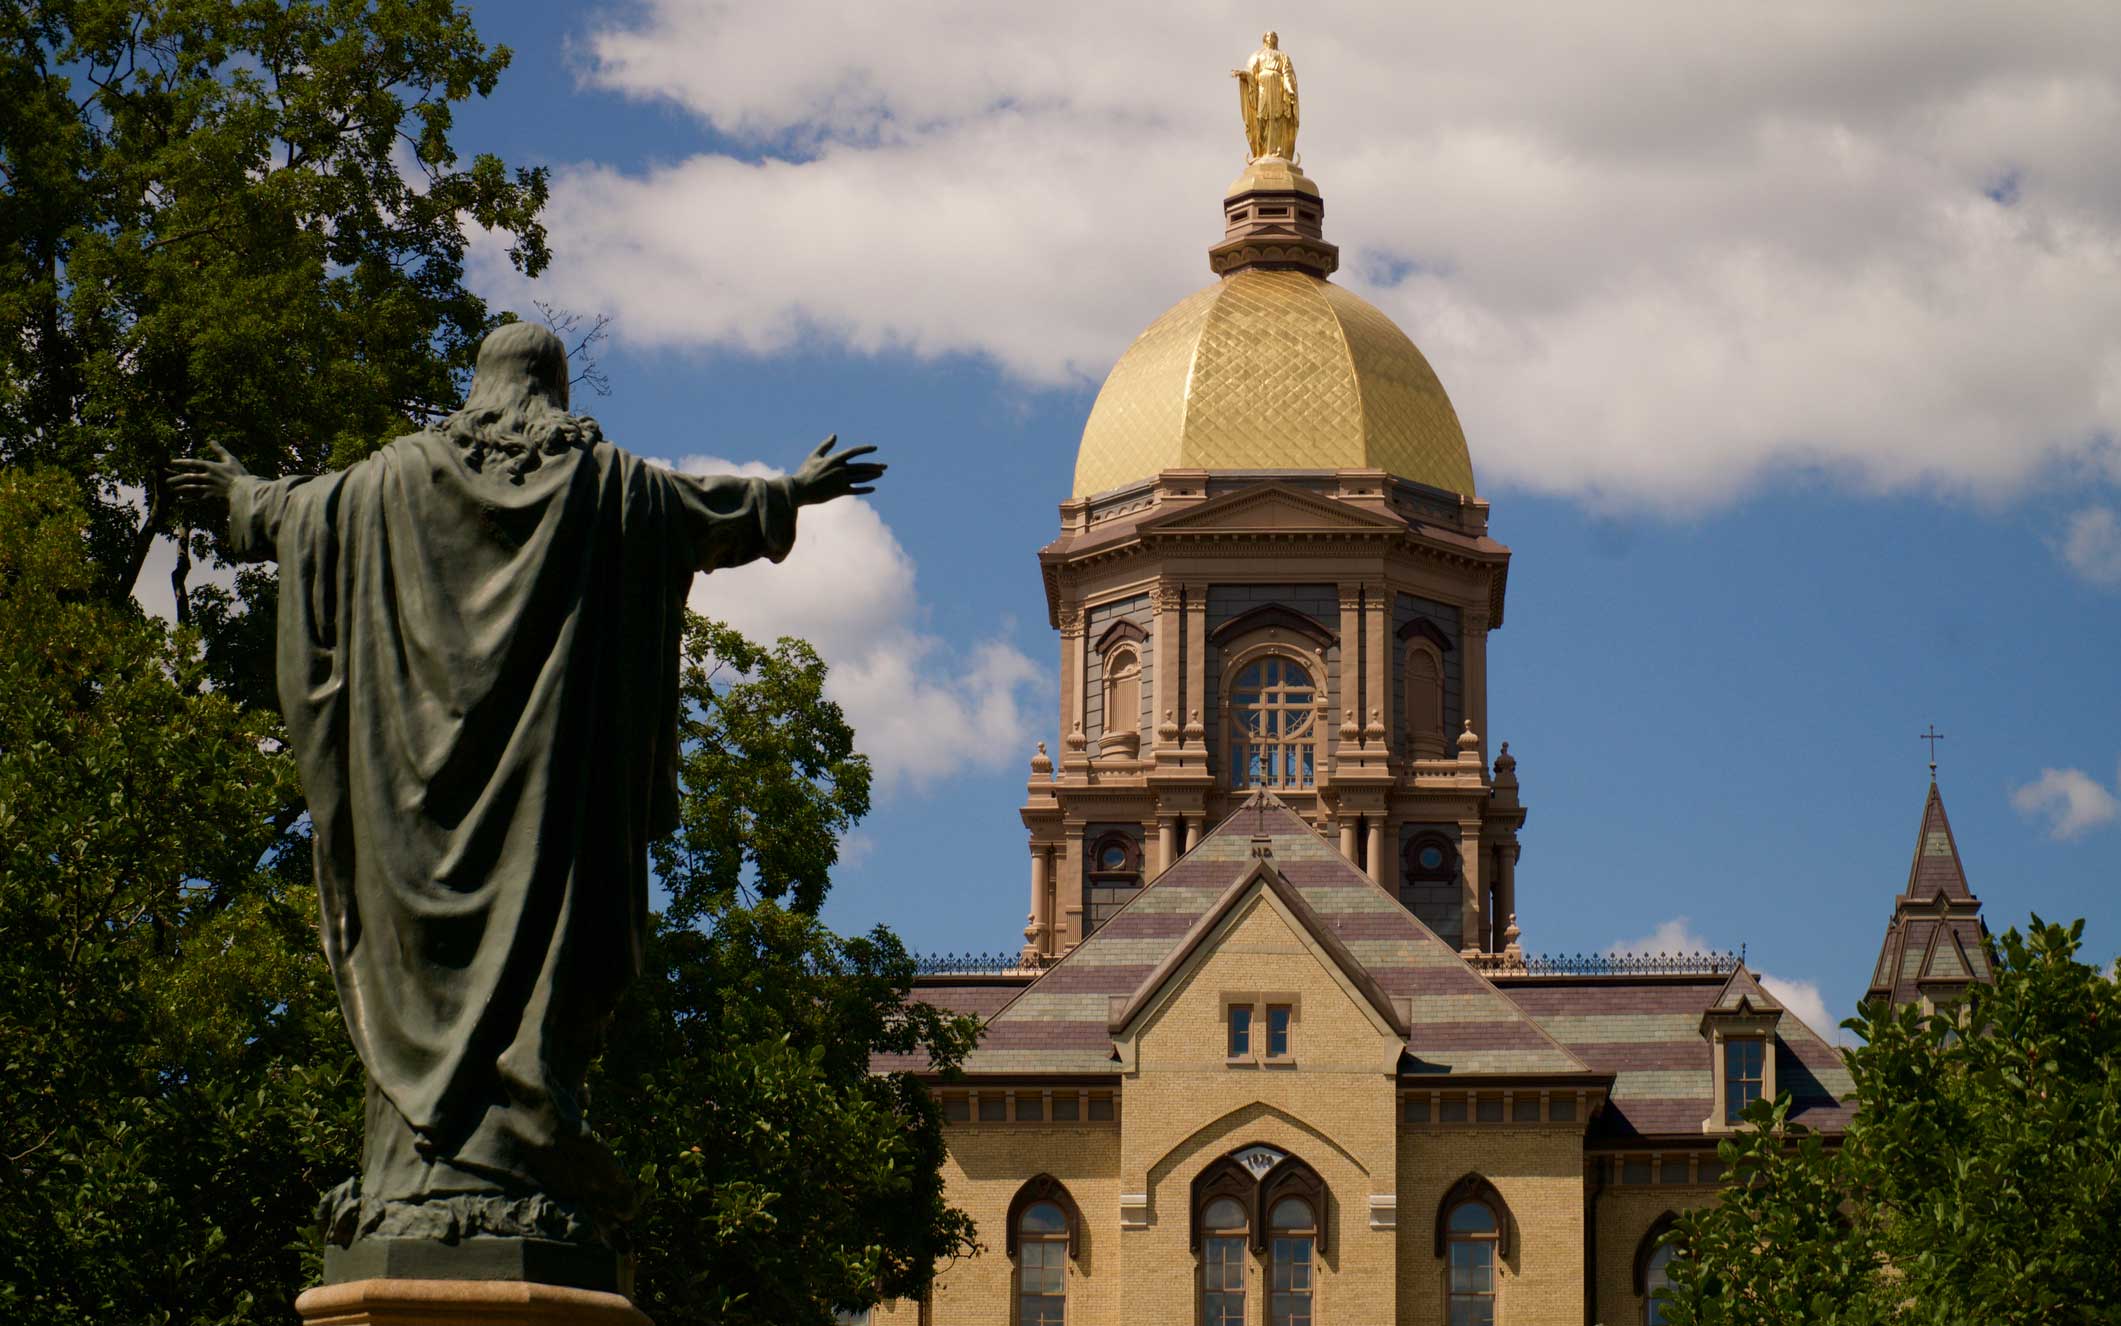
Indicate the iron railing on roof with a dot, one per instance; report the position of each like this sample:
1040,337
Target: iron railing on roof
1614,964
969,964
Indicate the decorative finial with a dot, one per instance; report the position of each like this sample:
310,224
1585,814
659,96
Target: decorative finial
1041,763
1076,740
1505,762
1469,740
1266,96
1933,736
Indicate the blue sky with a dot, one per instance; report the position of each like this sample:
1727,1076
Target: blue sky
1790,361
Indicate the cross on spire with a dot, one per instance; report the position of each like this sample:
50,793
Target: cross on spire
1933,736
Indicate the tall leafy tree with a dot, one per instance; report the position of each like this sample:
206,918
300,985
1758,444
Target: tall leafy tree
1980,1181
782,1179
236,220
174,1084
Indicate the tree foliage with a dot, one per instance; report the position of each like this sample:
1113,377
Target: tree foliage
782,1179
235,220
1979,1182
177,1086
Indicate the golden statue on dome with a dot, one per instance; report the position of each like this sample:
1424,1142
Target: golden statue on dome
1266,93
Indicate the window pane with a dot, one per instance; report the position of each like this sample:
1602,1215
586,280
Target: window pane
1524,1109
1488,1110
1223,1213
1042,1218
957,1109
1278,1029
1454,1110
1635,1171
1472,1267
1671,1171
1101,1109
1066,1109
1240,1029
1290,1213
993,1109
1417,1109
1472,1218
1562,1109
1030,1109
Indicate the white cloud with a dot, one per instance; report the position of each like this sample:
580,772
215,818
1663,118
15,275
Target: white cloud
1802,998
2091,544
1674,936
1656,254
2073,801
921,710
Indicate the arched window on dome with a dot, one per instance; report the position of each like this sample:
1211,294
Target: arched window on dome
1426,733
1123,689
1223,1227
1272,717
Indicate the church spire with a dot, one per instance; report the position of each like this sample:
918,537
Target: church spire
1936,944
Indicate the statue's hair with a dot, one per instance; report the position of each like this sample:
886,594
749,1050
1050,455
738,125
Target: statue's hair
523,433
518,402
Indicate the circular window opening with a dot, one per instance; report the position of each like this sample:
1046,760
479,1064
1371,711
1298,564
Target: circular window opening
1431,857
1114,857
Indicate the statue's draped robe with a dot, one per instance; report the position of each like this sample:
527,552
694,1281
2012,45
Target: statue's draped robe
479,674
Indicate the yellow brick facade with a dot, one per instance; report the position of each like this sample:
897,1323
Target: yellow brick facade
1183,1103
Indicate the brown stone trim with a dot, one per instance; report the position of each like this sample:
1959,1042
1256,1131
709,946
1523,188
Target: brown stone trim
1120,631
1046,1188
1427,630
1648,1245
1292,1178
1268,615
1224,1178
1475,1188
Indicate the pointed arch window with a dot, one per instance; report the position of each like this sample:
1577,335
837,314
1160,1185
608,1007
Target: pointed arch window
1292,1244
1273,721
1044,1235
1223,1227
1473,1226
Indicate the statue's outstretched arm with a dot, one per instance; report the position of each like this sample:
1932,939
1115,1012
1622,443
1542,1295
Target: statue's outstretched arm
735,520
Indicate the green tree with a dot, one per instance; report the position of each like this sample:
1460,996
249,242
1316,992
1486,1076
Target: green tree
235,220
174,1084
782,1179
1979,1182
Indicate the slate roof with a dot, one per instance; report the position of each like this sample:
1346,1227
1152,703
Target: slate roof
1936,936
1646,1032
1461,1024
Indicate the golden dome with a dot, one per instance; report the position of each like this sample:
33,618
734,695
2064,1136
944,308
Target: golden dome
1272,370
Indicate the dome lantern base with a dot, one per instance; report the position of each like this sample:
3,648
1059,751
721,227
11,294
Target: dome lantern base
1273,218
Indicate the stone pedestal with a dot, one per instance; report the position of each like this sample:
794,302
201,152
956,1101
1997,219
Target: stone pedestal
463,1303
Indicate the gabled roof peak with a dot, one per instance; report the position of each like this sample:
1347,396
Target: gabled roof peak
1936,935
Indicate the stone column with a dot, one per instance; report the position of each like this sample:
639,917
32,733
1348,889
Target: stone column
1476,669
1166,844
1377,628
1165,624
1473,926
1506,883
1351,687
1347,837
1042,897
1376,867
1196,719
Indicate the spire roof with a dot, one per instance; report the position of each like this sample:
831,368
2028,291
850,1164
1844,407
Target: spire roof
1936,942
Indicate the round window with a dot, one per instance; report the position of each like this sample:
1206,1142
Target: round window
1114,857
1431,857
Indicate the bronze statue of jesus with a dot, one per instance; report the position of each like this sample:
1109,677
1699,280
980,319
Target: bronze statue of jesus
479,629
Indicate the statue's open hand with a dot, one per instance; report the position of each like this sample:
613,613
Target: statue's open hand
206,480
825,476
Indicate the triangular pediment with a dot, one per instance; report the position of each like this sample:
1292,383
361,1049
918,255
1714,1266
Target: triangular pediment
1262,885
1271,508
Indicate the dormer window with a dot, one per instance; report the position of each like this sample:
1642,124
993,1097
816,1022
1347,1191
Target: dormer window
1744,1074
